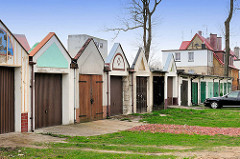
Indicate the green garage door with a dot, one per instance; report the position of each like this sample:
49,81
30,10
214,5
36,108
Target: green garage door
203,91
216,89
225,88
229,87
210,89
195,93
221,89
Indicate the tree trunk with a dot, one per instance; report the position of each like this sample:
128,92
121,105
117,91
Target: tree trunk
227,39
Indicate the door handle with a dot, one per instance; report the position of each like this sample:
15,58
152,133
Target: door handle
91,100
46,111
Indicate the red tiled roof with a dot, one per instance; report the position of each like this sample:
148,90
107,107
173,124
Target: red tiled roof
83,48
41,44
184,45
23,40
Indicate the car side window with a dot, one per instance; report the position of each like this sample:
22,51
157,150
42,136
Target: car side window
233,95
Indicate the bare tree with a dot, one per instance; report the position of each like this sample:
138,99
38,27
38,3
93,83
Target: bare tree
227,38
141,12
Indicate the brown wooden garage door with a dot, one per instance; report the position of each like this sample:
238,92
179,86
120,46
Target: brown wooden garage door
141,94
6,100
48,100
90,98
116,95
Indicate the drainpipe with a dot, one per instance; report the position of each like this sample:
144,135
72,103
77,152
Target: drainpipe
74,66
107,69
74,96
108,94
131,71
31,63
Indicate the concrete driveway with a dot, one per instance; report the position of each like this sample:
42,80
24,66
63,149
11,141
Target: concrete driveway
91,128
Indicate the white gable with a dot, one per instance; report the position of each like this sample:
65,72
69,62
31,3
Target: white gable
140,64
117,61
170,65
91,61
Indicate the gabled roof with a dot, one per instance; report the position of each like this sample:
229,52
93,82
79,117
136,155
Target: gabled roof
136,58
44,41
184,45
23,40
205,41
207,44
80,52
168,62
113,52
13,35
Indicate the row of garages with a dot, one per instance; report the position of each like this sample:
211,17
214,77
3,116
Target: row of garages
46,86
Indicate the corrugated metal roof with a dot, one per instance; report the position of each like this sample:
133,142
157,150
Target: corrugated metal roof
112,52
168,62
136,58
23,40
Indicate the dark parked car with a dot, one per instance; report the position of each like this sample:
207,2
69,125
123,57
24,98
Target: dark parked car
229,100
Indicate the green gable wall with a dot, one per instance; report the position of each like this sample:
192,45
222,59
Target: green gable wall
52,57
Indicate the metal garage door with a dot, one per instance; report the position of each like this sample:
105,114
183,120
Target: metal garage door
116,95
48,100
141,94
6,100
90,97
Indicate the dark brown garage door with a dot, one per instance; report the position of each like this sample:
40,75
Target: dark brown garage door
116,95
90,97
184,93
48,100
170,91
141,94
6,100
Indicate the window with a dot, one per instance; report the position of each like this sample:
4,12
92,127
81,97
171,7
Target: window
190,56
177,56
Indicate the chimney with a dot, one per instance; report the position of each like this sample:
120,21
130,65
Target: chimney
200,32
236,51
213,41
219,43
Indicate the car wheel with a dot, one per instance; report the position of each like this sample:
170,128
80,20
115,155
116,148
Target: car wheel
214,105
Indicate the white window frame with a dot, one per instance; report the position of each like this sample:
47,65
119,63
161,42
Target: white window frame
190,58
177,59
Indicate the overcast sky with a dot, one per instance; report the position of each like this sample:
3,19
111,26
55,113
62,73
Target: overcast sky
177,20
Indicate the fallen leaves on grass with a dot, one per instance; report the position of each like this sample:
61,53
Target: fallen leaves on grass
185,129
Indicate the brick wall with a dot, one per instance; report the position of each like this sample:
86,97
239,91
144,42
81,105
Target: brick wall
218,69
24,122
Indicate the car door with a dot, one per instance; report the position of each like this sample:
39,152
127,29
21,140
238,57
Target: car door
231,99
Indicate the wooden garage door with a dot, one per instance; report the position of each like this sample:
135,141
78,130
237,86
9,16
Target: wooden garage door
90,97
141,94
184,93
6,100
48,100
116,95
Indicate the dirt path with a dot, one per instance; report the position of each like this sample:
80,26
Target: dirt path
32,140
214,153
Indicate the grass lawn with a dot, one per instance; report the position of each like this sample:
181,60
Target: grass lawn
205,117
134,144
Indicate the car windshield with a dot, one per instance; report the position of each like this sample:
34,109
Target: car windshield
232,95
